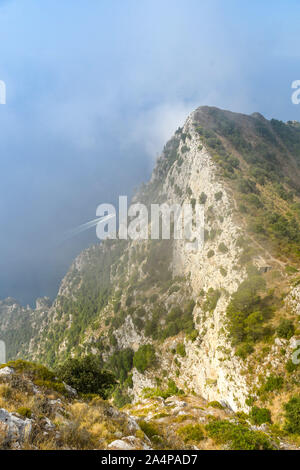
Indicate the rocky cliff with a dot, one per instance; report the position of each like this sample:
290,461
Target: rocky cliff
220,322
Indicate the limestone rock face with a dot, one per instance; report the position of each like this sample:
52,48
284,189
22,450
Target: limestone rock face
204,367
42,303
293,300
13,430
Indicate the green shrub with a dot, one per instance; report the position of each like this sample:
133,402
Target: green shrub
243,350
254,200
250,401
121,398
218,195
223,248
121,363
237,436
223,271
129,381
151,431
86,376
171,390
285,329
211,300
247,310
260,415
181,350
210,253
290,366
153,298
138,323
177,320
291,270
273,382
216,404
49,385
193,335
191,433
23,411
202,198
173,289
129,301
292,415
144,358
185,149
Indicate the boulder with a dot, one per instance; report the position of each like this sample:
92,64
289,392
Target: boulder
128,443
14,430
71,391
6,371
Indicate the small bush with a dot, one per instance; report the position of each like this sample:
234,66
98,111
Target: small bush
285,329
144,357
86,376
247,310
237,436
260,415
191,433
216,404
211,300
223,248
292,415
129,301
121,398
48,385
193,335
273,382
121,363
250,401
210,253
202,198
181,350
291,270
23,411
223,271
243,350
151,431
153,298
173,289
171,390
290,366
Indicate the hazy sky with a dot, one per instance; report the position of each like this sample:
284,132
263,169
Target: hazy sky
94,89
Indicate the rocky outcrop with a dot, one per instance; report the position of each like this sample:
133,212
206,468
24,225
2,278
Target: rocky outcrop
13,429
293,300
128,443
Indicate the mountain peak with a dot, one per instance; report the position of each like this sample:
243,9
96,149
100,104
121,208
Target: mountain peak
211,321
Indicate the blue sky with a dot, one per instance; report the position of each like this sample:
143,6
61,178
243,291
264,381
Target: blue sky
94,89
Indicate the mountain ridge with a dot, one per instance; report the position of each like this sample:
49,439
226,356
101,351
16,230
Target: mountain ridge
125,301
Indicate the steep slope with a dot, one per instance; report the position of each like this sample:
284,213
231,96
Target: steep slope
206,321
39,412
